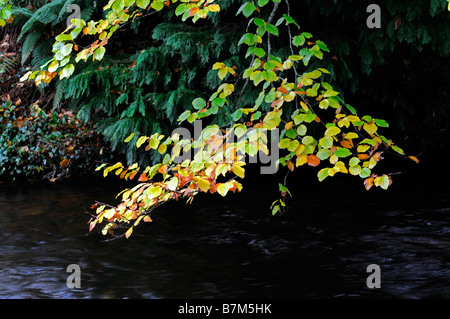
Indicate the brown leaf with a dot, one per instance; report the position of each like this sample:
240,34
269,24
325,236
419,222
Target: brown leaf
313,160
64,163
290,165
347,143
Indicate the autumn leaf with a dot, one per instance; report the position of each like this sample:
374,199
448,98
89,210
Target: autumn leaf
301,160
290,165
313,160
64,163
132,175
239,171
213,7
415,159
368,183
347,143
147,219
363,156
129,232
204,185
143,178
370,128
193,11
332,131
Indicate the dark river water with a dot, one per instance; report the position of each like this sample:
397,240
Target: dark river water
228,248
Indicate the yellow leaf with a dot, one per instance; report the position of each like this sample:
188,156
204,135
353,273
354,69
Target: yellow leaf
141,141
204,185
129,232
370,128
351,136
239,171
162,149
332,131
304,106
213,8
301,160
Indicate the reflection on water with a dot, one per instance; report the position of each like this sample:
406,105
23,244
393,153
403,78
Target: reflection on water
220,248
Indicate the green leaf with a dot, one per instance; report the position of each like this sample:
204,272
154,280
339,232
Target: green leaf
322,174
99,53
158,6
284,143
398,149
64,37
143,4
298,40
184,116
323,154
248,9
118,6
301,130
272,29
354,161
365,172
381,123
291,133
65,50
199,103
326,142
180,9
342,152
262,3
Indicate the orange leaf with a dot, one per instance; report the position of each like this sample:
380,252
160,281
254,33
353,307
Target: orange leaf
132,175
288,126
377,157
363,156
415,159
147,219
162,169
64,162
290,165
313,160
347,143
368,183
275,103
193,11
283,90
167,3
143,178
